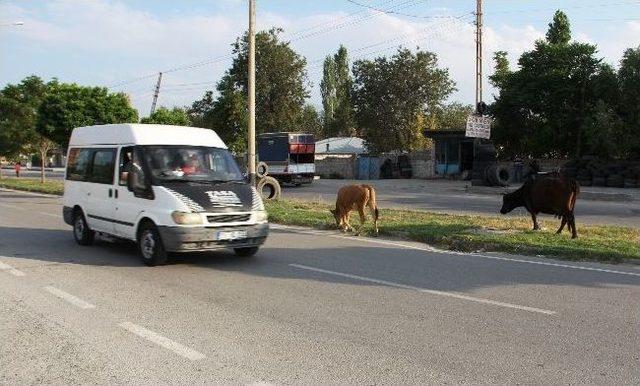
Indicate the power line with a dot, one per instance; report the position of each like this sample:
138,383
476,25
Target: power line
190,66
395,12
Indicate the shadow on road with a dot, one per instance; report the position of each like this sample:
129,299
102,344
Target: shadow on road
404,266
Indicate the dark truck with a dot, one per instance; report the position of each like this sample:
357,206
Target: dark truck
290,157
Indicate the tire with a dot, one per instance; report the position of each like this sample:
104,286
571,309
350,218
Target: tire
246,252
269,188
150,246
81,231
498,175
262,169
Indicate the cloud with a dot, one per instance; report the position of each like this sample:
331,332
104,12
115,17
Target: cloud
104,42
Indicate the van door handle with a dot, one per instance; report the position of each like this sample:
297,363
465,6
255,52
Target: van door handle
110,193
115,192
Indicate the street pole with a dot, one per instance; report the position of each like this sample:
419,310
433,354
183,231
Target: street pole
478,52
155,94
251,159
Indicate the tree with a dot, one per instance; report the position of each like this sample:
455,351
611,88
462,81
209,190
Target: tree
559,31
281,90
391,97
18,115
66,106
629,106
543,107
281,80
336,88
226,115
452,116
328,92
163,116
310,121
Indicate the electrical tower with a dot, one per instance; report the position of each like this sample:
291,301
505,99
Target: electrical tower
155,94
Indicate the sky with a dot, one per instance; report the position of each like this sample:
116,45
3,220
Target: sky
123,44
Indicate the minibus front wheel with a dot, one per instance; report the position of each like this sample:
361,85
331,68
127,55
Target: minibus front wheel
150,245
81,231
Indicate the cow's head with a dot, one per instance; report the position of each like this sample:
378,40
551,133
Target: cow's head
509,203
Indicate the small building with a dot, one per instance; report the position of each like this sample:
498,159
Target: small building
453,152
345,157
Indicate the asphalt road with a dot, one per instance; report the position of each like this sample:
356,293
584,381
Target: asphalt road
311,307
450,197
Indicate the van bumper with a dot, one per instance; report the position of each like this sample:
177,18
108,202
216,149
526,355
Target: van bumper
183,239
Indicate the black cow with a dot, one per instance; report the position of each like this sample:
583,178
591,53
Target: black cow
550,193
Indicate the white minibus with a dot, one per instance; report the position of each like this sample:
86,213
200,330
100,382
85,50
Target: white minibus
168,188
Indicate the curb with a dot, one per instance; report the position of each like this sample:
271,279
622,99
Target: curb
594,196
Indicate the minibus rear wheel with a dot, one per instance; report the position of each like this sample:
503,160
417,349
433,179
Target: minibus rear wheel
246,252
150,245
81,231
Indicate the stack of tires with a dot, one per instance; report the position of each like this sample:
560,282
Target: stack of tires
268,187
485,157
591,171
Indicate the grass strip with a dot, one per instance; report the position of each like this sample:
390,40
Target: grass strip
33,185
471,233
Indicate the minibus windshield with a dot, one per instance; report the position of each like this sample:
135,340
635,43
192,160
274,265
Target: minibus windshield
191,163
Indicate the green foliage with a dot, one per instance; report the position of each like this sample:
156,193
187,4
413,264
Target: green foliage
336,88
391,97
310,121
561,87
559,29
452,116
629,104
163,116
281,80
18,116
33,185
66,106
281,90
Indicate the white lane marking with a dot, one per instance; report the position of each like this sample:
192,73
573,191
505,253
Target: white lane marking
10,269
50,214
76,301
12,207
428,291
162,341
436,250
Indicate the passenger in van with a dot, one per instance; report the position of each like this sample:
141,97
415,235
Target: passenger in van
192,166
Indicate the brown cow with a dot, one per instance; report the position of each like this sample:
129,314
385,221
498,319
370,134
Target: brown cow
352,197
550,193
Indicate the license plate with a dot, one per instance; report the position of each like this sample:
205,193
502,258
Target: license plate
232,235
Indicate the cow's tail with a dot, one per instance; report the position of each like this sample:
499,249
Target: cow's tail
575,190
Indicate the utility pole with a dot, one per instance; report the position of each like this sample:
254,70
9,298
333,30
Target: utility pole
478,52
155,94
251,159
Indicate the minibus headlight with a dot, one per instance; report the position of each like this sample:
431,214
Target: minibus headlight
260,216
184,218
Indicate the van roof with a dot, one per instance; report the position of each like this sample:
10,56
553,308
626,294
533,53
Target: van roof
141,134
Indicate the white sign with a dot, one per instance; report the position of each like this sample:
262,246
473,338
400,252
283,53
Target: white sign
478,127
223,198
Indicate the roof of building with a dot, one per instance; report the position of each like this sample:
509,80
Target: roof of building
140,134
341,145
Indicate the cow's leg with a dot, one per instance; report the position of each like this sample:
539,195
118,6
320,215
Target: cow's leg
347,221
362,219
564,221
572,223
375,218
536,227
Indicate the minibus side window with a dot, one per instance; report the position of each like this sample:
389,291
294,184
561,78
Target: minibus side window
78,164
103,166
126,158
